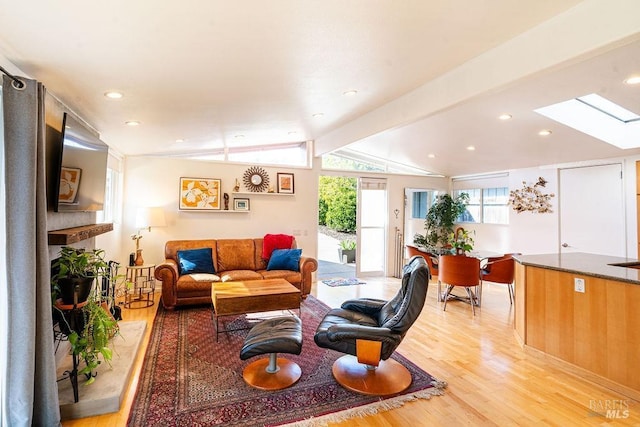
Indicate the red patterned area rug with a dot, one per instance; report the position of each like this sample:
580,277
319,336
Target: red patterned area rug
188,379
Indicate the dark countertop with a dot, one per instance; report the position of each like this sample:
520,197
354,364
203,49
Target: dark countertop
585,264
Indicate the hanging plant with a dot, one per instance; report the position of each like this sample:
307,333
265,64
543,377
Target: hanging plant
531,198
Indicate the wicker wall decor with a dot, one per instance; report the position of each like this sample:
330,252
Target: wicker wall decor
530,198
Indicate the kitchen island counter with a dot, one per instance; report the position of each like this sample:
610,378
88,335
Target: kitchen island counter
602,266
582,311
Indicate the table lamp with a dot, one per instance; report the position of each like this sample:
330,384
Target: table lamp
145,219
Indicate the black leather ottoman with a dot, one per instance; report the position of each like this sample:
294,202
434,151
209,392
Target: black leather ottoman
272,336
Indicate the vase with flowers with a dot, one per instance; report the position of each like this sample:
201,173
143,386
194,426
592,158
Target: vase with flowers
138,260
461,241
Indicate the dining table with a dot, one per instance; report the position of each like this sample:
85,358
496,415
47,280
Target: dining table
482,255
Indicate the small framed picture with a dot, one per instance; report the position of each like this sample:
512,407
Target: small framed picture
285,183
240,204
69,183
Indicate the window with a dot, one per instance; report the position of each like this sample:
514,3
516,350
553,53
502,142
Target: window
112,209
289,154
341,162
486,205
494,205
420,204
283,154
352,160
472,214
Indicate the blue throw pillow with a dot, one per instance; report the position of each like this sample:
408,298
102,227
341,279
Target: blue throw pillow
285,259
195,261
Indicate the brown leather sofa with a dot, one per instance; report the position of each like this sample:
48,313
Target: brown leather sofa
233,259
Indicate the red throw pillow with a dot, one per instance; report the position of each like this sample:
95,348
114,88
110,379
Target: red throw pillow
275,241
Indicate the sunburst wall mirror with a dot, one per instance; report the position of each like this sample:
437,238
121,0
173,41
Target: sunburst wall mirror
256,179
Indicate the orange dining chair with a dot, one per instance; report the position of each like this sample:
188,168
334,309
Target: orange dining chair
432,260
500,270
459,270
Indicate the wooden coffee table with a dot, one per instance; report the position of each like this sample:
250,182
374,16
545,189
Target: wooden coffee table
252,296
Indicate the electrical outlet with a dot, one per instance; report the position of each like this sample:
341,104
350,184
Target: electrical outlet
578,284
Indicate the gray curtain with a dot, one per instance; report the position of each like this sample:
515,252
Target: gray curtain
31,394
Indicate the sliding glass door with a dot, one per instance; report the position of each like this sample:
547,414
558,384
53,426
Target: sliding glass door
372,227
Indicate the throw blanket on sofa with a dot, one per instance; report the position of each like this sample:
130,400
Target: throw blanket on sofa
273,242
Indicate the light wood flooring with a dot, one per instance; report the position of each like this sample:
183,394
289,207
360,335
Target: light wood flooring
491,380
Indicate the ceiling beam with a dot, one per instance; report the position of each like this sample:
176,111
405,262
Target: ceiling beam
584,31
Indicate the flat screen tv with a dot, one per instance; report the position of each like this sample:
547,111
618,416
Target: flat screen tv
82,171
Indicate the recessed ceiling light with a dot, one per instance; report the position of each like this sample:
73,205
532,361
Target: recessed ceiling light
633,80
350,92
113,94
504,116
545,132
431,156
471,148
318,115
293,132
132,123
179,141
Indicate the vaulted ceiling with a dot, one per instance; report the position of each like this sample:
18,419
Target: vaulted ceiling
431,75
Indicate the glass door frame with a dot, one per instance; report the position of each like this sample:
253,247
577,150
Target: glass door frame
359,227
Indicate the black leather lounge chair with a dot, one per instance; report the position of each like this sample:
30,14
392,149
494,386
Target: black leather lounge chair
369,331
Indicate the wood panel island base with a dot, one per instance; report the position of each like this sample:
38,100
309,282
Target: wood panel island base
252,296
582,311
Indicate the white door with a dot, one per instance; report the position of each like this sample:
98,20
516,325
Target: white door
592,210
372,227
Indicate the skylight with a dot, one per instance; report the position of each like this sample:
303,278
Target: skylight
598,117
608,107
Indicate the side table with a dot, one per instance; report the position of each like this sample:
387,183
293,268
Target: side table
140,287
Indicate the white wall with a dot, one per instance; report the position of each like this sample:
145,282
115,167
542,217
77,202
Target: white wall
534,233
154,181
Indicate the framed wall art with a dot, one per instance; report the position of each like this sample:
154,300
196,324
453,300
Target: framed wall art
199,194
240,204
69,184
285,183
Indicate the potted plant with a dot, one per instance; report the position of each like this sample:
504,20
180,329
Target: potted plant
86,320
439,222
91,342
348,250
74,272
